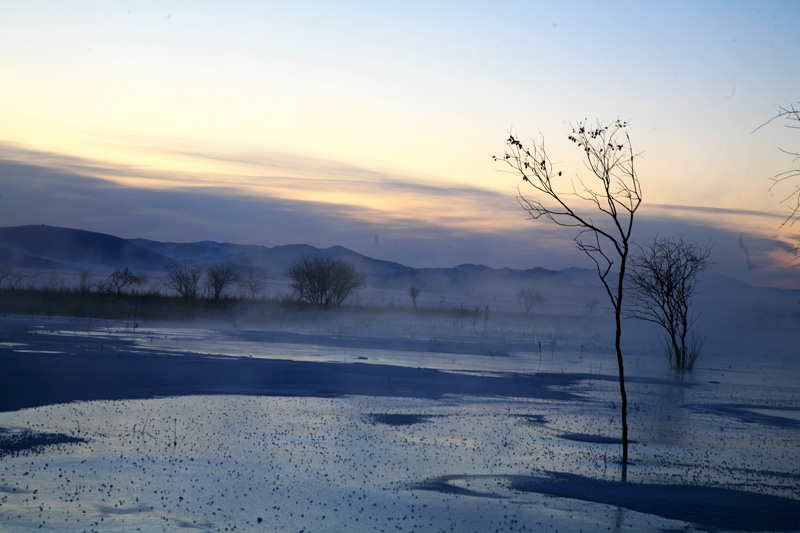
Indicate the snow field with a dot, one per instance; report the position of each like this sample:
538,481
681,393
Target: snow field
240,463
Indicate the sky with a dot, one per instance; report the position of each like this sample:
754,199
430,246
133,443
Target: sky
371,125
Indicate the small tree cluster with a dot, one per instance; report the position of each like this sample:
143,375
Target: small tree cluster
413,292
252,281
10,278
183,279
121,278
529,298
218,277
324,280
662,281
186,280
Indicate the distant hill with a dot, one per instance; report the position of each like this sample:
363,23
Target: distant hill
48,247
273,261
53,248
65,249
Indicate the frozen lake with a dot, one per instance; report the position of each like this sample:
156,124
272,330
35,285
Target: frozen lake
277,431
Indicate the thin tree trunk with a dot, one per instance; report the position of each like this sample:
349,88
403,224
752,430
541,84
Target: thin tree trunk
679,354
620,364
624,412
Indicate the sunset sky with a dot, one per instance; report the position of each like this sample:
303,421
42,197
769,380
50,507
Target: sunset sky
371,125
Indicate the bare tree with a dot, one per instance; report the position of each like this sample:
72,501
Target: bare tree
5,272
84,282
413,292
612,189
791,115
252,281
121,278
218,277
324,280
590,308
183,279
10,278
529,298
662,282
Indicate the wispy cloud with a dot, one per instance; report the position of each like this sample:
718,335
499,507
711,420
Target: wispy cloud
411,221
367,195
715,211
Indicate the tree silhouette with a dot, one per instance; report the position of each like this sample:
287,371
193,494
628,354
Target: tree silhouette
529,298
413,292
252,281
612,189
663,281
10,278
121,278
218,277
791,115
324,280
183,279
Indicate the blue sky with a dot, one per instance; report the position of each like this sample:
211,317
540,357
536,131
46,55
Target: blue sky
372,125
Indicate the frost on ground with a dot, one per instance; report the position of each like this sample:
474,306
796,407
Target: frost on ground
384,440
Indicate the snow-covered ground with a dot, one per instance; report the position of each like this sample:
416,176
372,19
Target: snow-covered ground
458,424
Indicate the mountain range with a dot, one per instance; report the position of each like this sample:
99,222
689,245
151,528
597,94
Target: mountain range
65,251
48,248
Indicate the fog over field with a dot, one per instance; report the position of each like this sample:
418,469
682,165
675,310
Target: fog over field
399,266
464,414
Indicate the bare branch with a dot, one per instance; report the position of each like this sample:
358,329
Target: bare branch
791,115
252,281
183,279
611,188
219,277
663,281
324,280
121,278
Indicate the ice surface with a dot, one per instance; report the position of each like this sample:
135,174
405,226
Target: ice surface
393,458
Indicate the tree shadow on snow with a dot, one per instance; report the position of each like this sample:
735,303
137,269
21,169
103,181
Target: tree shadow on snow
705,506
18,441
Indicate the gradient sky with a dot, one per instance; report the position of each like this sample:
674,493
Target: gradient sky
372,124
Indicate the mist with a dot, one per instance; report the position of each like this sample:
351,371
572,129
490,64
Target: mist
744,245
